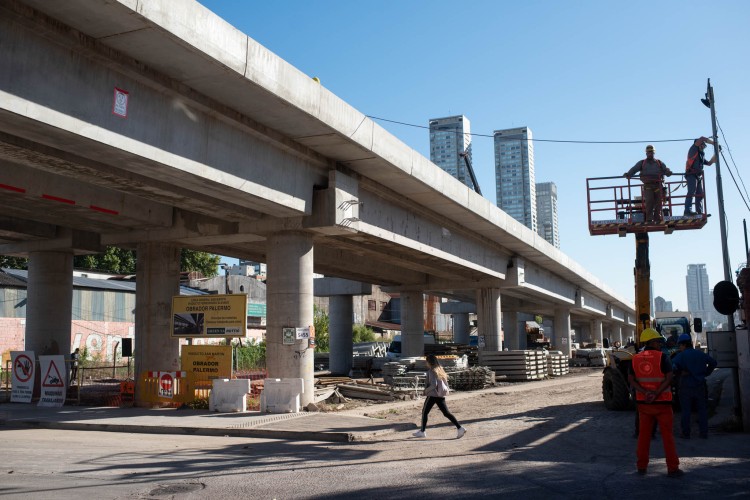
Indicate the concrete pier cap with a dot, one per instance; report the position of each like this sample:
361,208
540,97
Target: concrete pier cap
455,307
329,287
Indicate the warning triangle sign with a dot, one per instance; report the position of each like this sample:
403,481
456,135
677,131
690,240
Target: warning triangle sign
53,378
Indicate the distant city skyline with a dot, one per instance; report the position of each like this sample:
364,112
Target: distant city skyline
546,209
450,139
515,184
698,292
592,126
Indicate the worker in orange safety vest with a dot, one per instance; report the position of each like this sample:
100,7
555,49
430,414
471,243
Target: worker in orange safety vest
651,375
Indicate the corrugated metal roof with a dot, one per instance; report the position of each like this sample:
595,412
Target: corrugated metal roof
10,280
22,276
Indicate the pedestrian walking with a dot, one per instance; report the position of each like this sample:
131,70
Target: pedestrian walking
692,367
651,375
74,357
436,391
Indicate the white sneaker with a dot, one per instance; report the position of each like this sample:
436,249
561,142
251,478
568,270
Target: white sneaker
461,432
420,434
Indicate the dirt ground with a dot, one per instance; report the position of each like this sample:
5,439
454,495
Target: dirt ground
501,400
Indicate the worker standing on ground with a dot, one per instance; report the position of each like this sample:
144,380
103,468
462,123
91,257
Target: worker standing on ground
436,390
652,172
651,376
694,173
692,367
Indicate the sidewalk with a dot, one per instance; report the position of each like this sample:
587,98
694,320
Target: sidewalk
295,426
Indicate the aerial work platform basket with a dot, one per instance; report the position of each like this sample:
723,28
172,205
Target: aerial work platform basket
615,206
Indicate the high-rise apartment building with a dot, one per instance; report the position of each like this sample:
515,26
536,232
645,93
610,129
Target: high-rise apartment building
449,138
698,294
546,212
514,175
662,305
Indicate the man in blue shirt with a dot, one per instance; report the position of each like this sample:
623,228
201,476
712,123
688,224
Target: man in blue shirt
691,367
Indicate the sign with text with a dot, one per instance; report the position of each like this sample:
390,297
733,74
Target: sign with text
166,384
209,315
206,362
22,376
53,371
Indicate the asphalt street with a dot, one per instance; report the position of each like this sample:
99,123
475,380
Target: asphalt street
534,440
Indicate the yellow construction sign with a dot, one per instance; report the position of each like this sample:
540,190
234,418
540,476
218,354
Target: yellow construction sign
203,363
209,315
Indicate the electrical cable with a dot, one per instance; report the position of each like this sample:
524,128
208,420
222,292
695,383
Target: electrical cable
735,183
533,139
729,150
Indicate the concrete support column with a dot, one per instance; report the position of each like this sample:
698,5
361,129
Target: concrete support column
412,324
340,314
489,318
617,334
511,334
289,301
597,333
562,338
157,281
49,303
461,328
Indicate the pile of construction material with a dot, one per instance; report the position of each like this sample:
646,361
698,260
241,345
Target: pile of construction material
557,364
515,365
372,349
375,392
476,377
589,357
391,370
454,349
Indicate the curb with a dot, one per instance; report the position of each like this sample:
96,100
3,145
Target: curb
332,436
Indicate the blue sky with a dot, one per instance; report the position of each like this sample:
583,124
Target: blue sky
576,70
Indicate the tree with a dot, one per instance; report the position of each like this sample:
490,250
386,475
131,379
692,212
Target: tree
206,263
122,261
13,262
362,333
321,322
113,260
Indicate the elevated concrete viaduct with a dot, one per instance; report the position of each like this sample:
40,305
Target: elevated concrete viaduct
155,125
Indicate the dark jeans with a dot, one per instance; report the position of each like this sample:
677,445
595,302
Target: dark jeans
440,402
694,187
689,394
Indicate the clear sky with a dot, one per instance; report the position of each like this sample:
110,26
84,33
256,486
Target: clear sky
575,70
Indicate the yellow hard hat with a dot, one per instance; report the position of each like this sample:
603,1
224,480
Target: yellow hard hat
649,334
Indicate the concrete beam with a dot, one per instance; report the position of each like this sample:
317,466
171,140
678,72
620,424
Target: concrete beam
78,242
453,307
330,287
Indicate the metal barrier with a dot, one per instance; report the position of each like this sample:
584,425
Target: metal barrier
166,388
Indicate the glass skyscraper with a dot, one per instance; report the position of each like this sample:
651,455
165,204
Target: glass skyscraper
698,292
449,138
546,212
514,175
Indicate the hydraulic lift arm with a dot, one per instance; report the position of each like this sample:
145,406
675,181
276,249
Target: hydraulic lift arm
642,273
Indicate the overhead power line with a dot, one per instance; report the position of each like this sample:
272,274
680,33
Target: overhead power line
538,140
746,197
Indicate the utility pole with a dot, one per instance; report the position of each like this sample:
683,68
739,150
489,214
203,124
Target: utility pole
724,248
709,101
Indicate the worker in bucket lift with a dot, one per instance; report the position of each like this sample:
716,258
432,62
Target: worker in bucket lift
652,172
694,173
